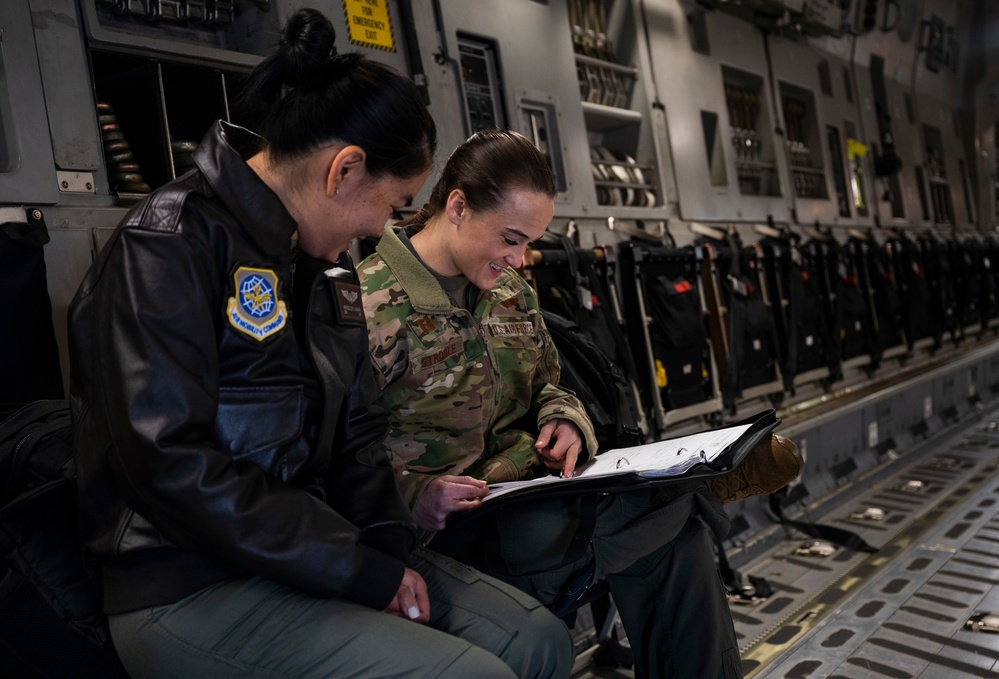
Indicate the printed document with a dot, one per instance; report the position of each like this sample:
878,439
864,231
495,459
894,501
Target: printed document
661,459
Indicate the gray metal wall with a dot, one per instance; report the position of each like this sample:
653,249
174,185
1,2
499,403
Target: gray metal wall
682,62
682,55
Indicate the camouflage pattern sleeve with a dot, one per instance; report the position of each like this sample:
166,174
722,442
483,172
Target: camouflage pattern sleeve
385,325
389,353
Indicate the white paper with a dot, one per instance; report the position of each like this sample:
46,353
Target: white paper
661,459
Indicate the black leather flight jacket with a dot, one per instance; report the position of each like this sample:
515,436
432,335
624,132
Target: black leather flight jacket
206,452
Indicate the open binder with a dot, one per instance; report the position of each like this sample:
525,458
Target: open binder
701,455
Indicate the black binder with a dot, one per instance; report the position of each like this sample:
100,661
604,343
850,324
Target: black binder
731,456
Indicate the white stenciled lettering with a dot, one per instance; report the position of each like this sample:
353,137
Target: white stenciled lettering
510,329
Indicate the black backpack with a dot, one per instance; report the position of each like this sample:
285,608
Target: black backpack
51,623
597,381
678,339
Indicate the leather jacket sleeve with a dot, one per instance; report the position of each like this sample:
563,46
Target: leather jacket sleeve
156,375
360,480
367,488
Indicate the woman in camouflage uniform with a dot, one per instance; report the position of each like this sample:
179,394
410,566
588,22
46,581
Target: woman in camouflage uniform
456,320
470,377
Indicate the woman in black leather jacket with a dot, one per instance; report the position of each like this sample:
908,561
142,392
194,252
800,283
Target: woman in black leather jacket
233,481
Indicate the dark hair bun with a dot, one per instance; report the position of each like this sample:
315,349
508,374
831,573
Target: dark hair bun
307,45
305,95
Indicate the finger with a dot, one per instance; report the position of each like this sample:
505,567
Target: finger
473,487
422,600
393,607
459,491
567,435
564,438
549,463
466,505
469,481
545,434
408,605
570,461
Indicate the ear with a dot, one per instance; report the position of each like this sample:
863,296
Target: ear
347,166
456,206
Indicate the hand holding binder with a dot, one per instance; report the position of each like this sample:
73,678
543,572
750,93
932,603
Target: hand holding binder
717,451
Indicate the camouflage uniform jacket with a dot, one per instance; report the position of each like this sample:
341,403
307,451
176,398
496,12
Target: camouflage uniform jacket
466,392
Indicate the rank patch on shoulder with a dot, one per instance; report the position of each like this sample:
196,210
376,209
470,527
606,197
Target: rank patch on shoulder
347,299
426,324
256,310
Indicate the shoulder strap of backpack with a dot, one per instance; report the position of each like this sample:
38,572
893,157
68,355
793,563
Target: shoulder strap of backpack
15,432
32,412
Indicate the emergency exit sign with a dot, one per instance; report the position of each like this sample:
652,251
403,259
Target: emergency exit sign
369,24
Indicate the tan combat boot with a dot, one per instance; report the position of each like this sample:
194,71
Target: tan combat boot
772,464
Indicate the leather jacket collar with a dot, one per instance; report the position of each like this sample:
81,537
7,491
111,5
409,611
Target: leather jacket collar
221,157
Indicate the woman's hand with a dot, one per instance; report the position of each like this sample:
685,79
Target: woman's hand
559,444
411,601
446,495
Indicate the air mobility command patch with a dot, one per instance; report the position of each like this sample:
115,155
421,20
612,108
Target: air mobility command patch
256,310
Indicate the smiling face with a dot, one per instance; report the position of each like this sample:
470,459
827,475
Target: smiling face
488,242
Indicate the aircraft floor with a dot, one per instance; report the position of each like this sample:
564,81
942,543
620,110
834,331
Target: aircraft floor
902,612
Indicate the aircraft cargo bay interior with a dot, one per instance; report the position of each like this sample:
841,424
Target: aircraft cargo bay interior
756,205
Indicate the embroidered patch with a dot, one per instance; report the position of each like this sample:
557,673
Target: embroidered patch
256,310
440,355
425,324
347,299
511,329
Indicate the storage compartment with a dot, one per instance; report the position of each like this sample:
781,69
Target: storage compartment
133,123
187,122
936,176
481,84
205,30
624,173
804,148
152,115
747,117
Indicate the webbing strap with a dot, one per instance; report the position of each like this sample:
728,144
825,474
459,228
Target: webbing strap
837,536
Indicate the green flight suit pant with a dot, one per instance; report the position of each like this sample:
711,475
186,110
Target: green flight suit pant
252,627
654,550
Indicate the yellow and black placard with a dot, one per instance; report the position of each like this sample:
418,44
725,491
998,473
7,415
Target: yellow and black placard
369,24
